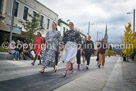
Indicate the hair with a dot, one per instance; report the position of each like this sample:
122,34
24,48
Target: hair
13,42
56,26
72,23
40,34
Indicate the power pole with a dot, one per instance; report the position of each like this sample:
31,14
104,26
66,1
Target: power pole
12,20
88,27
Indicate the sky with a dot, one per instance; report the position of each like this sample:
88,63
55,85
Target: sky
98,13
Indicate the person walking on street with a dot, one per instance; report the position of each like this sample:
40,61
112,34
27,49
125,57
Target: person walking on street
78,57
38,42
83,53
71,39
89,49
102,53
52,40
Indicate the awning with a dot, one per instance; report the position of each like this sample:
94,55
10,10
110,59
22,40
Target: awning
7,28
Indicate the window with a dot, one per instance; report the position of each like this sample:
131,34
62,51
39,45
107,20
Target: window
34,13
25,13
41,23
16,9
48,23
0,6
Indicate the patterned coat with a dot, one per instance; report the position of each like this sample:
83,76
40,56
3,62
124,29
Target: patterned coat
71,35
52,40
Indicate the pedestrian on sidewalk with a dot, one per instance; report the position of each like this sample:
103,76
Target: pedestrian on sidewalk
102,53
89,49
97,54
52,40
83,52
78,57
38,42
71,39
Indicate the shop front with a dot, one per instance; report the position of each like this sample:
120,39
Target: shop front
5,33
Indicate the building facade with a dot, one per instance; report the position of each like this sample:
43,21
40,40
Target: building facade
2,9
25,7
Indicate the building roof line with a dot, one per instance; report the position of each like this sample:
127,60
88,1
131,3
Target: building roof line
45,7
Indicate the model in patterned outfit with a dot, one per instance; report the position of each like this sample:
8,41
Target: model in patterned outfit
71,39
52,40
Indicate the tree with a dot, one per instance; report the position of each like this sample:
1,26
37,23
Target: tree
129,41
31,26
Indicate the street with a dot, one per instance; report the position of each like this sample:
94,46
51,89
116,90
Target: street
21,76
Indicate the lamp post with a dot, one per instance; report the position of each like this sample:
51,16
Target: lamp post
98,35
133,19
12,20
89,27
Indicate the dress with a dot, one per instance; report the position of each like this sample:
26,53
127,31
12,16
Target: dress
52,39
38,41
71,39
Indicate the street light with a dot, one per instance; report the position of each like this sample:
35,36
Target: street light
89,27
98,35
12,20
133,19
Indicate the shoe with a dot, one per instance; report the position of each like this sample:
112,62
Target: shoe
42,72
39,64
78,66
99,66
64,73
55,70
32,63
72,71
14,59
87,67
70,68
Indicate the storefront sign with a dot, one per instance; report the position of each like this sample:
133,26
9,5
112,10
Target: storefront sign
8,28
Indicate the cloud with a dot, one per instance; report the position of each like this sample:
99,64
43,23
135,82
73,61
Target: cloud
98,12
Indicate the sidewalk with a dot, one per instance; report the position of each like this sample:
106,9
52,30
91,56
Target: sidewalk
115,76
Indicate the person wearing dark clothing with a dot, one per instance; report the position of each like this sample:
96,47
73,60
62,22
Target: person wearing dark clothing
83,53
124,56
88,48
102,53
26,52
97,59
20,48
78,56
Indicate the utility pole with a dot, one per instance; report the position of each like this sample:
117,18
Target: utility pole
88,27
12,20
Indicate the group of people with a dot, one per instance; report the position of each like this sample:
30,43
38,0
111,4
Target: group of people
72,47
19,50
